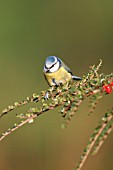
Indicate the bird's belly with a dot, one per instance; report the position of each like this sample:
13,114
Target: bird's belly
61,76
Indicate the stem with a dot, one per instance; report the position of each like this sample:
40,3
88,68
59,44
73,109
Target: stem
14,128
97,148
90,146
21,103
28,120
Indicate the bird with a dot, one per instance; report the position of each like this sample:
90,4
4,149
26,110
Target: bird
56,72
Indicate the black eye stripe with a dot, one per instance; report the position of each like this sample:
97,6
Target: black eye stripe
45,66
52,65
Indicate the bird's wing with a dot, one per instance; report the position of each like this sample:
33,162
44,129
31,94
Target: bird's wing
67,68
69,71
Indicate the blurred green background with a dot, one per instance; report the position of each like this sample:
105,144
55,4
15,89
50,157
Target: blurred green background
80,33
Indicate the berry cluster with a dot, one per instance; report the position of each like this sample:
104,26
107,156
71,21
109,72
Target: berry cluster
108,88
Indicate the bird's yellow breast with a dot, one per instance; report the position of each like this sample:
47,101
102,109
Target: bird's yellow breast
60,76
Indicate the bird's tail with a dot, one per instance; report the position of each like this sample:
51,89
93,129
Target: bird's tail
76,78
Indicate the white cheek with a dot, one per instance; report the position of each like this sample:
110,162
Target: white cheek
44,69
54,68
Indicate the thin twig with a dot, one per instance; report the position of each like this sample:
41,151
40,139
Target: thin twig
28,120
97,148
91,144
15,127
19,104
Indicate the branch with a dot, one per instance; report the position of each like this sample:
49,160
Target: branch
29,118
70,96
97,133
34,97
15,127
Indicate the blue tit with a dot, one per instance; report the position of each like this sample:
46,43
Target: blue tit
56,72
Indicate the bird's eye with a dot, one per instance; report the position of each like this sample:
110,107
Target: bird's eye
54,67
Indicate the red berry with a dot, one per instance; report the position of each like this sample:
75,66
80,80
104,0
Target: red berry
107,88
111,84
